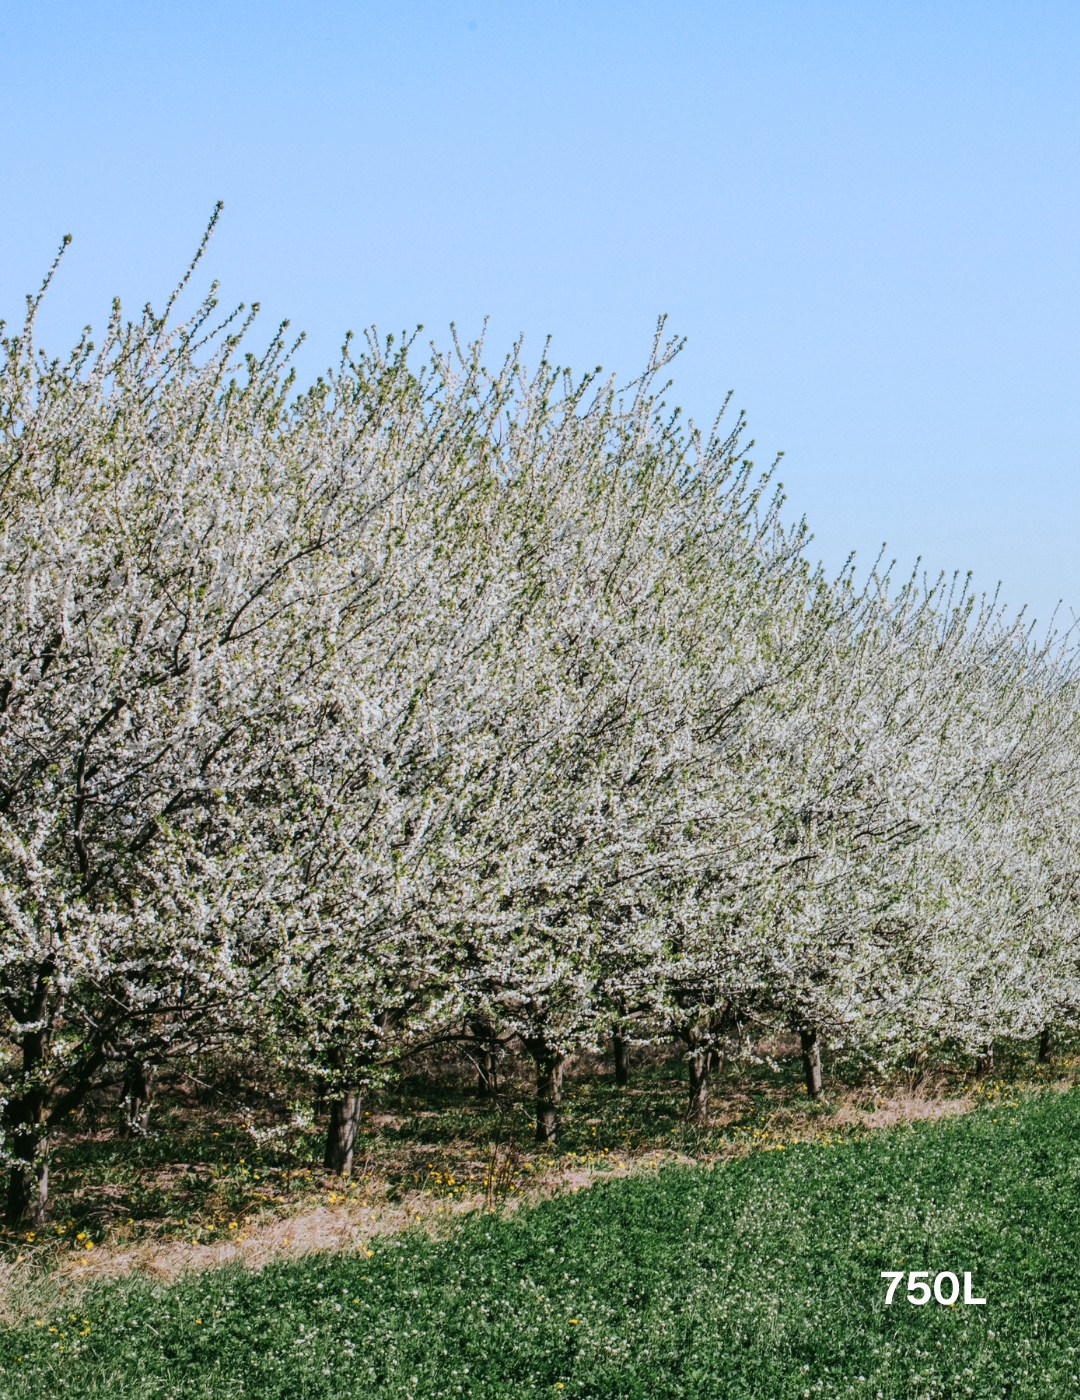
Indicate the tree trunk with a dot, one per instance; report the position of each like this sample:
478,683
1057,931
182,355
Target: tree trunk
137,1104
483,1031
1046,1045
27,1142
28,1182
345,1115
698,1108
204,1090
28,1117
549,1073
984,1063
811,1057
621,1051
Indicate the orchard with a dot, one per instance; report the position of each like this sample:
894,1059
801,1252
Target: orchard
440,707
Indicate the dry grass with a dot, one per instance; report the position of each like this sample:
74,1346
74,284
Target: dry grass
46,1274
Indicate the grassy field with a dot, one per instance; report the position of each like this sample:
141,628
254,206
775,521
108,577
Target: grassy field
759,1277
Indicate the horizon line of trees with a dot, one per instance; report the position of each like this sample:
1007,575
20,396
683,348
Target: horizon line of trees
436,704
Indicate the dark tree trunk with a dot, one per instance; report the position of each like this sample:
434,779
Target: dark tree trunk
1046,1045
137,1098
483,1031
698,1108
621,1051
345,1106
984,1063
28,1116
345,1115
549,1074
204,1091
811,1056
694,1035
26,1131
28,1182
485,1075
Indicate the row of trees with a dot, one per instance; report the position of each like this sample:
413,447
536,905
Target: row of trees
438,704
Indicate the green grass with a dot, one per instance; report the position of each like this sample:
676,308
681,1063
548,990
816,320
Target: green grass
758,1279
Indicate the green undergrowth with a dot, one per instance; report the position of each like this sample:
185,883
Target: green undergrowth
759,1278
199,1175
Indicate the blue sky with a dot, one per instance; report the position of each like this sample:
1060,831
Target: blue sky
863,216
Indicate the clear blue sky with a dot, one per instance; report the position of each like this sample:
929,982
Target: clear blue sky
864,216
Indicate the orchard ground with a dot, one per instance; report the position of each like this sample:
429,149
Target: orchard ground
199,1192
759,1278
